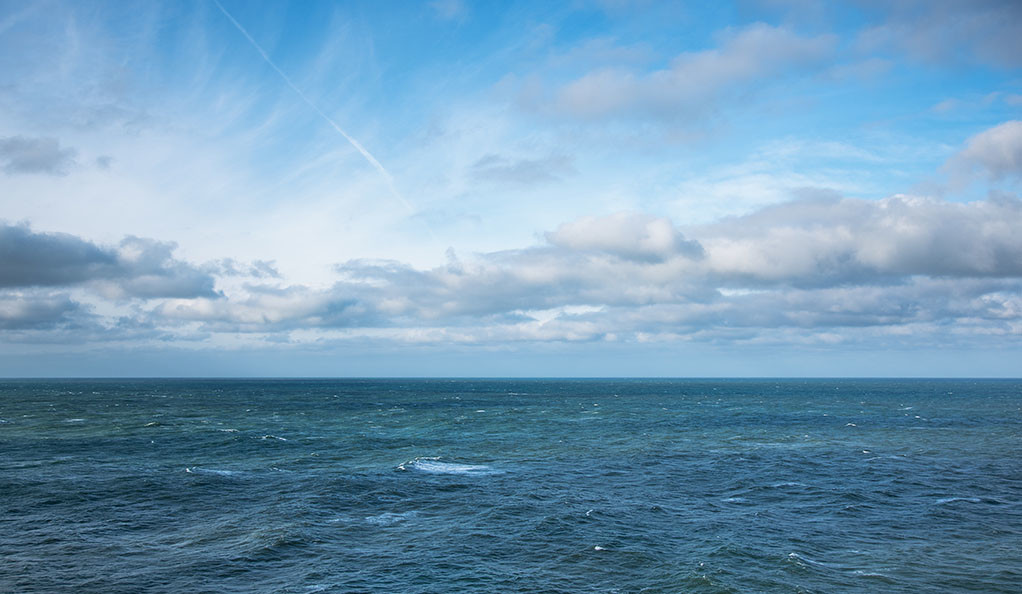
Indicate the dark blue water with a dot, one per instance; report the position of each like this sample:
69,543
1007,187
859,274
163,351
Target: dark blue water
511,486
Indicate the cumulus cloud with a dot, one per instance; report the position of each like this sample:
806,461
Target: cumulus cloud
142,268
832,269
49,259
694,80
22,154
628,235
832,242
35,311
994,154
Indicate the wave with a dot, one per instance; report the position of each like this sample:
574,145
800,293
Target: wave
434,465
955,499
389,518
197,470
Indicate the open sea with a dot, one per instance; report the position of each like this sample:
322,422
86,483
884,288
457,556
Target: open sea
511,486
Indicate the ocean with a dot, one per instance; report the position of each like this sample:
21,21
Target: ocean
511,485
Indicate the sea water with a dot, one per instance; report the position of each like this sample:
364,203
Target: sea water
511,486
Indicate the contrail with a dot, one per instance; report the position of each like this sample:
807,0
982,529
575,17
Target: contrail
358,146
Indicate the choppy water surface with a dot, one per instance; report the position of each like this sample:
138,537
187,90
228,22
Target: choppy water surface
510,486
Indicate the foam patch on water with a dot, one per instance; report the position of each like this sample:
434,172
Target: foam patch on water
956,499
437,466
390,518
213,471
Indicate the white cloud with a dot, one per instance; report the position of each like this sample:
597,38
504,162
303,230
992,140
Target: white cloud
628,235
821,267
994,154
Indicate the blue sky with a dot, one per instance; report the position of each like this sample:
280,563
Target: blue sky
517,189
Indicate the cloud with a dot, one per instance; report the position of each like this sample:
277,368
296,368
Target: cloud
21,154
836,242
694,80
994,154
49,259
521,172
948,31
35,311
834,270
631,236
142,268
268,309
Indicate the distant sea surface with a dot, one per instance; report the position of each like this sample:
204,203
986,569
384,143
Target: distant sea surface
511,486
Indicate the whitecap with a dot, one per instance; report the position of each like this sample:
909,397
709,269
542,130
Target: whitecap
389,518
954,499
787,484
434,465
870,574
214,471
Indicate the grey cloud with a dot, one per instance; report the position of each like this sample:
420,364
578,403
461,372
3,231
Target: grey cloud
943,31
695,80
818,270
523,172
34,311
21,154
49,259
138,267
995,153
269,309
627,235
820,266
824,243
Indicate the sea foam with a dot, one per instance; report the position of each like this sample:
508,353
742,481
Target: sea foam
437,466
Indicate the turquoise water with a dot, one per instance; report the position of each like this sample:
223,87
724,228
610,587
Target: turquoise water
511,486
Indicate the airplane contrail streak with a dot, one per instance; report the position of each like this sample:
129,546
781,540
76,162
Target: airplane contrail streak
358,146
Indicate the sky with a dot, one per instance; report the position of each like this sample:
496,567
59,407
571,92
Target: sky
458,188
